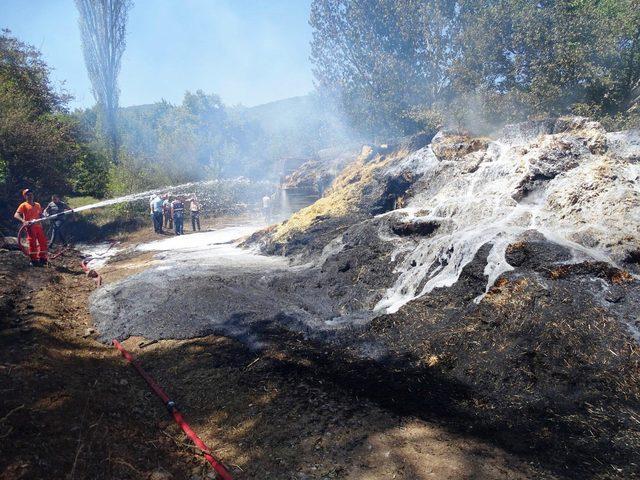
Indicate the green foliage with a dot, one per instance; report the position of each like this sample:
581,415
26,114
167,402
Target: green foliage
523,58
429,119
476,61
166,144
90,173
36,138
204,139
81,201
133,175
383,58
41,145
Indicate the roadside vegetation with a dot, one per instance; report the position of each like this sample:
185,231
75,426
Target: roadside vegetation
47,147
399,66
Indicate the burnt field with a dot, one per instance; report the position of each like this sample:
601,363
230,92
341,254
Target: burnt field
72,408
537,367
451,306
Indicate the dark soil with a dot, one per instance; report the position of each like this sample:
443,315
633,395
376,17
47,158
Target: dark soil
539,364
71,407
544,366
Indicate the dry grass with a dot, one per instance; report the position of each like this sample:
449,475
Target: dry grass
343,198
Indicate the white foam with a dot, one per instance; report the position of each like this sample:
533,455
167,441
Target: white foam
100,253
200,241
589,203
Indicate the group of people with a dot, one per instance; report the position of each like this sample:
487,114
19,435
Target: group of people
28,213
165,212
169,214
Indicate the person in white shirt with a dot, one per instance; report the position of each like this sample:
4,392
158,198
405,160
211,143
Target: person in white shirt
155,205
266,208
194,208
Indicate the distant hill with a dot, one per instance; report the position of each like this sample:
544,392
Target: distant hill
286,114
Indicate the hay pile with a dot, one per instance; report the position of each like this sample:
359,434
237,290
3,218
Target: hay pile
533,340
543,365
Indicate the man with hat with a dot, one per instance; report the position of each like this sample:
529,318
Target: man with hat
27,212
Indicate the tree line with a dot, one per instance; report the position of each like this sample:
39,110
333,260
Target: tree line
42,146
398,66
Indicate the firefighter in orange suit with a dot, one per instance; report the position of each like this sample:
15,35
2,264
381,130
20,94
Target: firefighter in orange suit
27,212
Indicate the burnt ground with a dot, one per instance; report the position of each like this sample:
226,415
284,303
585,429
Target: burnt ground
543,367
72,408
442,389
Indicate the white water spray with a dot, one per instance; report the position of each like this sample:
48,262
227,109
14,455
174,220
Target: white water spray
248,195
134,197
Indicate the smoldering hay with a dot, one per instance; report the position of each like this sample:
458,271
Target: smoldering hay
571,181
360,255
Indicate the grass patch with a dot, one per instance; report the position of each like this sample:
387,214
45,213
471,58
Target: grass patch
77,202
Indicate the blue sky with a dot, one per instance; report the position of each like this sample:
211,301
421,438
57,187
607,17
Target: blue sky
246,51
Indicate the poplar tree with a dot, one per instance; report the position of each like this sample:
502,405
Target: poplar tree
103,32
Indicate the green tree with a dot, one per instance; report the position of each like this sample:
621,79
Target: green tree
41,146
206,115
103,30
543,58
37,137
383,58
398,65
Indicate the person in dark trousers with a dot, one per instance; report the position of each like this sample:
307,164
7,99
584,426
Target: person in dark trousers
55,228
194,207
155,205
177,212
166,211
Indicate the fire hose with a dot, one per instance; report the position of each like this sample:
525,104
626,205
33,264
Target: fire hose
91,272
25,226
169,404
157,389
177,416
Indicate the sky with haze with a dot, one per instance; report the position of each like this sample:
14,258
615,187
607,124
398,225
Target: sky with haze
246,51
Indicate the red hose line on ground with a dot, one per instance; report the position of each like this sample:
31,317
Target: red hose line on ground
20,246
90,272
171,406
177,416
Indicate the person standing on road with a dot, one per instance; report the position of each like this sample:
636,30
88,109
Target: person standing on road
155,205
194,207
27,212
55,231
266,208
177,212
166,211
